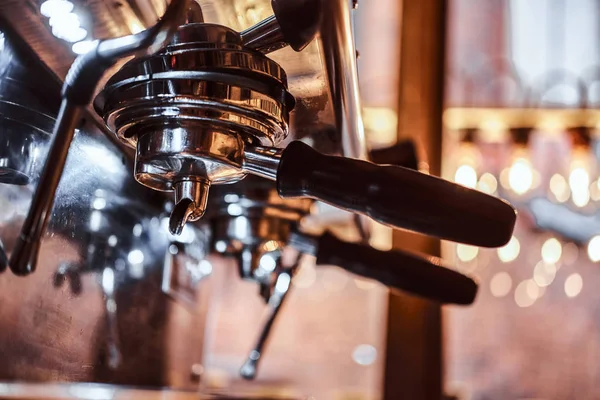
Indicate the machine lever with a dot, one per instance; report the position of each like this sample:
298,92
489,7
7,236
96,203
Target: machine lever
421,275
396,196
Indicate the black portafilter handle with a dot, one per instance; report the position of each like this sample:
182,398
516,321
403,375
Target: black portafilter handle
419,275
396,196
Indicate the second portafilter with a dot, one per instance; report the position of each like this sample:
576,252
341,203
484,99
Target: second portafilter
266,236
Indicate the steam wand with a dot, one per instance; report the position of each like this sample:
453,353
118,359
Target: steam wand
78,89
280,292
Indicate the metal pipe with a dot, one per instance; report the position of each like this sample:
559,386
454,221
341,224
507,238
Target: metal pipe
78,89
282,288
262,161
24,256
340,61
266,36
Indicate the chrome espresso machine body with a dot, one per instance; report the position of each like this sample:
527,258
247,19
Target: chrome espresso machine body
231,156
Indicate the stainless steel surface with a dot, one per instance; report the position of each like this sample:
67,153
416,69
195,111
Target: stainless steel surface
57,333
248,240
204,70
266,36
57,324
252,223
262,161
337,38
24,257
340,60
113,346
307,78
23,142
169,155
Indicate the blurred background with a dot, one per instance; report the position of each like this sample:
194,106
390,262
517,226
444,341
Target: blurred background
521,121
502,96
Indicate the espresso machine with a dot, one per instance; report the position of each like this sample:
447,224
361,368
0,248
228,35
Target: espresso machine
182,143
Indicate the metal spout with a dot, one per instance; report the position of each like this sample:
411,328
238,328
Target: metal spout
191,197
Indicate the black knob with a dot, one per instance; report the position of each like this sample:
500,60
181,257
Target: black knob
299,20
420,275
396,196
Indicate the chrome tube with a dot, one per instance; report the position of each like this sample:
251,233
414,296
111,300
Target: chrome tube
266,36
262,161
340,61
281,290
24,256
78,88
337,38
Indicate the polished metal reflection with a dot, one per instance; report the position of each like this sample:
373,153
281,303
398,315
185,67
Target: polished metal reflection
337,37
114,247
25,108
266,36
80,79
191,197
193,110
262,161
171,155
102,220
144,316
340,59
24,135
